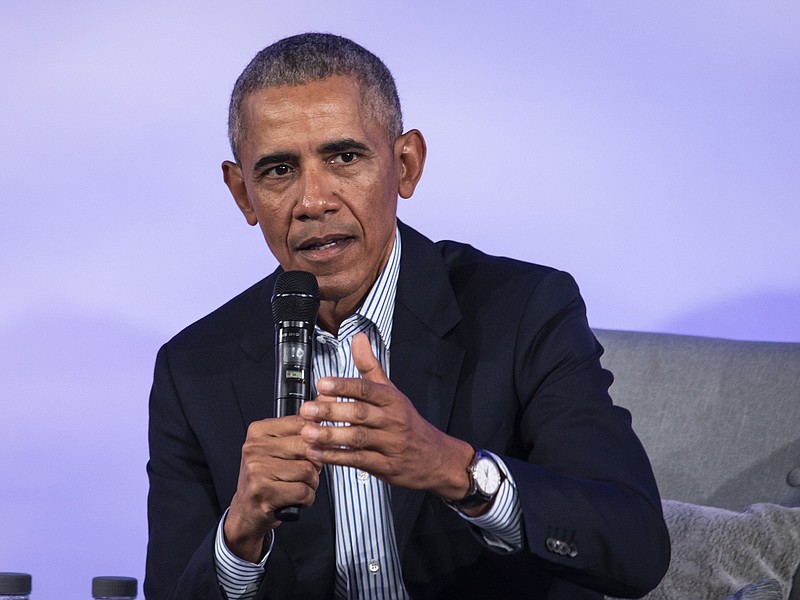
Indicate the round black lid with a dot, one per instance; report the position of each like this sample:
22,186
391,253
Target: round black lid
15,583
115,587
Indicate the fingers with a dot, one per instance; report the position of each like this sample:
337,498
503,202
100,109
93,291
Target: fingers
328,409
369,387
351,387
347,438
276,483
371,461
276,438
366,362
281,427
365,427
274,453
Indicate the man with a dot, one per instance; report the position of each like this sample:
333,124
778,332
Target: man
462,443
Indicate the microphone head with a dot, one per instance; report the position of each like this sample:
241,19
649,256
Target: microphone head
295,297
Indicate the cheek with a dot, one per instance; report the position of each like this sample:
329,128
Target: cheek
275,229
380,201
274,213
269,200
384,210
272,242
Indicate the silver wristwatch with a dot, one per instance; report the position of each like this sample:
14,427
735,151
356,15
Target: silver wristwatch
485,478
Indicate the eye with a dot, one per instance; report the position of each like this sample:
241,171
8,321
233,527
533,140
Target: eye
278,171
344,158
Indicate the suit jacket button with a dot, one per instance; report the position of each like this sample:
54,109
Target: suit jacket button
573,551
552,544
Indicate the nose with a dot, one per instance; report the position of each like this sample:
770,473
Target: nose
318,196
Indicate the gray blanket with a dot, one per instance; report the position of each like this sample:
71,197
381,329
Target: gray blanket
716,552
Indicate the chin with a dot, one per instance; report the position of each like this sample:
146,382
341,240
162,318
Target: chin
333,287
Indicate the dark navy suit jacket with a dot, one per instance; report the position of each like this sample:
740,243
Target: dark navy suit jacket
493,351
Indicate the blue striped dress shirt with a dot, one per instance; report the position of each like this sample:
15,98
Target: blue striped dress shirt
367,564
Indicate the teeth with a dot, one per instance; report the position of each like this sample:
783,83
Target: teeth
324,246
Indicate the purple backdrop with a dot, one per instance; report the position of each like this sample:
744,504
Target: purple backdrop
652,151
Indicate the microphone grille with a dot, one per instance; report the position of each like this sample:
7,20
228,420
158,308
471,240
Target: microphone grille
295,297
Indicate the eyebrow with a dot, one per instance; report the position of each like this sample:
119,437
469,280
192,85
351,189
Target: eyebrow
343,145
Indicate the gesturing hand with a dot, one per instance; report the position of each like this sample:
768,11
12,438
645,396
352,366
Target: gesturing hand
387,437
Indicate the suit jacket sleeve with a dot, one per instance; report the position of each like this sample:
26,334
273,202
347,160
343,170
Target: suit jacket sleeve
583,477
499,353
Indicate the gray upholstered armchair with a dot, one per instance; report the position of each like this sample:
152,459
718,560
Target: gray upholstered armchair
720,420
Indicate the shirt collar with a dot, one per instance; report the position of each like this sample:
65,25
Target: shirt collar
378,307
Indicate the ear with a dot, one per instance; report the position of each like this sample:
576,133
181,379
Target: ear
232,174
410,149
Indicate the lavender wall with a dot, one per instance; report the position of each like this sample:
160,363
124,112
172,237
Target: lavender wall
651,151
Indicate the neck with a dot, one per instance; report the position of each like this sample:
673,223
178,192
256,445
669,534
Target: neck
332,313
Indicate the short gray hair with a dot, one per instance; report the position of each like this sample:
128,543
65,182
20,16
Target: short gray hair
307,57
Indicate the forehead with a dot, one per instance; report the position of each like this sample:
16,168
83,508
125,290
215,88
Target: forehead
331,107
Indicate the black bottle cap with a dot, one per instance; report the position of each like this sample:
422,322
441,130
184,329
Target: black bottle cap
15,583
114,587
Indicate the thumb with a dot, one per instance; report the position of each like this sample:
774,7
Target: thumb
365,360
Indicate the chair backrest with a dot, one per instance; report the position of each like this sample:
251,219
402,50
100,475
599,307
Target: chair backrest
720,419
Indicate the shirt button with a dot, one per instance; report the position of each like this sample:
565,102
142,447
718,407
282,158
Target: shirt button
374,566
362,476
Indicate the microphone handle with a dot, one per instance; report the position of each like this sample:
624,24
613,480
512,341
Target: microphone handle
292,382
284,407
288,514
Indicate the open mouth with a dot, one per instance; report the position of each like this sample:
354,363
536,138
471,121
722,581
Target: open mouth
324,246
315,245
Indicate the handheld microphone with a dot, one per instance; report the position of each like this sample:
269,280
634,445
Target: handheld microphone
295,303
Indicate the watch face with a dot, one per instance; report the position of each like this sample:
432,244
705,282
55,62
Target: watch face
487,476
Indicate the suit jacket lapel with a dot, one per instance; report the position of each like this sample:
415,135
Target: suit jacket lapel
254,382
424,365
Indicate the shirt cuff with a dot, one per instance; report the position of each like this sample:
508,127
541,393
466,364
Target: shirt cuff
501,525
239,578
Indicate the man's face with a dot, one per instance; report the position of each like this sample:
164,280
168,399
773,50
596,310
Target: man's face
320,177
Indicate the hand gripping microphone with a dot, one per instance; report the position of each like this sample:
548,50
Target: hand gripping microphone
295,303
